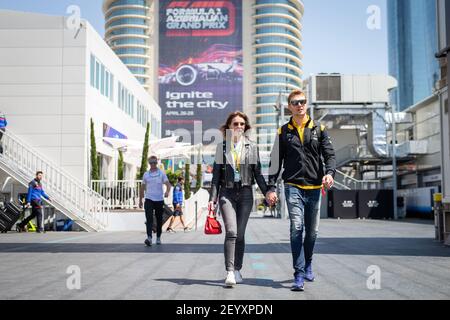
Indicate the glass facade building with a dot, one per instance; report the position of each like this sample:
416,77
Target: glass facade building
127,31
412,36
277,62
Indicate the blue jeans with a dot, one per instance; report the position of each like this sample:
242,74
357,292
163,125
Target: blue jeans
304,214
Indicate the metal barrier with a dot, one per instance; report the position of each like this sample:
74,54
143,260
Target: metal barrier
121,194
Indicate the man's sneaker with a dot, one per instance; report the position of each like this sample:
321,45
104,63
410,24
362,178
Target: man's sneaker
148,242
309,275
238,277
187,229
158,240
230,281
19,228
170,230
298,284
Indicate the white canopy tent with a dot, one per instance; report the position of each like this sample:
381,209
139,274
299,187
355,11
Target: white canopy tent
163,148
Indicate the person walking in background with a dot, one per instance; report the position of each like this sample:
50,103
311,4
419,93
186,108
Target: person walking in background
236,167
300,146
152,187
34,199
3,124
177,205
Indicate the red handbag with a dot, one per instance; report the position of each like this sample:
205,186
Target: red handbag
212,225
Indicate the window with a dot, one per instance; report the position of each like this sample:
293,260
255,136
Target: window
111,83
97,75
125,100
128,31
92,71
107,84
129,41
129,2
119,12
101,78
134,60
137,21
135,70
141,51
138,115
141,114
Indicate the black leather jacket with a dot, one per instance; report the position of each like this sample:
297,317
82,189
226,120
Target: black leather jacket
250,169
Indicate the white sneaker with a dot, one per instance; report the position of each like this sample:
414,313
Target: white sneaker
238,277
158,240
230,280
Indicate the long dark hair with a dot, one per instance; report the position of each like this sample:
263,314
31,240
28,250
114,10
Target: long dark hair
230,118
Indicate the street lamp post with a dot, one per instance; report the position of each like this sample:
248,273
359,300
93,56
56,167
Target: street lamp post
394,161
278,108
280,185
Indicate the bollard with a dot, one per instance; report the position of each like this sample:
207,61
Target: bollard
446,222
438,217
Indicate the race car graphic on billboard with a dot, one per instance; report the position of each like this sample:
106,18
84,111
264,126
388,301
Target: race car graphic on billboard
200,63
219,62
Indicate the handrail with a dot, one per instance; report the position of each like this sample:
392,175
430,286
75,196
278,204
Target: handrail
74,198
121,194
337,183
356,180
358,184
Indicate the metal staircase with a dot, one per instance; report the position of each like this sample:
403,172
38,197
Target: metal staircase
344,181
78,202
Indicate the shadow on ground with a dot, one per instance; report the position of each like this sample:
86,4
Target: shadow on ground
345,246
286,284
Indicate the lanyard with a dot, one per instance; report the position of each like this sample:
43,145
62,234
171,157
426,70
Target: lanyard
236,153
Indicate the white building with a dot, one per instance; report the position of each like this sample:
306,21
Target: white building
54,78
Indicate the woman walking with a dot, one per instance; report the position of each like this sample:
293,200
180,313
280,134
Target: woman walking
236,168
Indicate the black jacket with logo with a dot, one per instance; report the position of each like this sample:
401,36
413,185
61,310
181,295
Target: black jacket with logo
223,171
302,162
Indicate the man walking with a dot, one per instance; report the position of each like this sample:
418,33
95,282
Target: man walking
300,145
3,124
152,185
34,198
177,206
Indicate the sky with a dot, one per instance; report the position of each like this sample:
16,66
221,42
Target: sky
335,33
336,37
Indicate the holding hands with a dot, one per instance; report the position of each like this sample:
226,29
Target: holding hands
271,197
328,181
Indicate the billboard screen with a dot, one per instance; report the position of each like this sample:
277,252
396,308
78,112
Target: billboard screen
200,64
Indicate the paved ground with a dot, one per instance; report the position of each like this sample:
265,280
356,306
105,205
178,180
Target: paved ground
190,265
